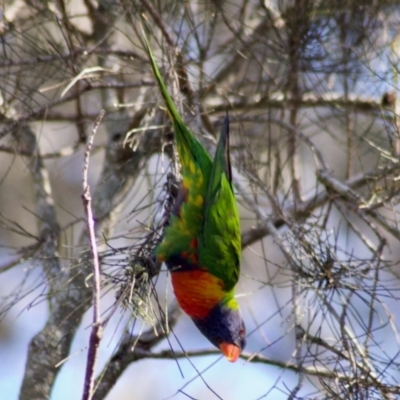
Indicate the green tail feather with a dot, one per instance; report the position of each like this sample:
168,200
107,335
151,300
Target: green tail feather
189,148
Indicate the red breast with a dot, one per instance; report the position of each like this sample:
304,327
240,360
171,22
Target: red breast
197,291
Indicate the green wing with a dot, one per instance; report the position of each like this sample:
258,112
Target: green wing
196,167
219,239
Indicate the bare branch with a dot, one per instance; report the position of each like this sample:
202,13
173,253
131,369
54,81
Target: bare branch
97,326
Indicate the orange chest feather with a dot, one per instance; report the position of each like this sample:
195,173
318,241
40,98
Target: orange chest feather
197,291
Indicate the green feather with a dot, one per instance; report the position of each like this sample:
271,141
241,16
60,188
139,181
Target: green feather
196,166
189,148
219,238
210,212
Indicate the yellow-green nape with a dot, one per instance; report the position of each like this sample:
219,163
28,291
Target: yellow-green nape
231,302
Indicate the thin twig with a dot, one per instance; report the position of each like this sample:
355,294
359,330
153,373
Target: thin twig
97,327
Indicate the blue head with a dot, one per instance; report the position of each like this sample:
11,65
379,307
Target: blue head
224,328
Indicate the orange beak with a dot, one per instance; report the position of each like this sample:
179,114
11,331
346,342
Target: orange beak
230,351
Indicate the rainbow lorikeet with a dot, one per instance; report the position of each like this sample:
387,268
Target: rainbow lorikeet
202,243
